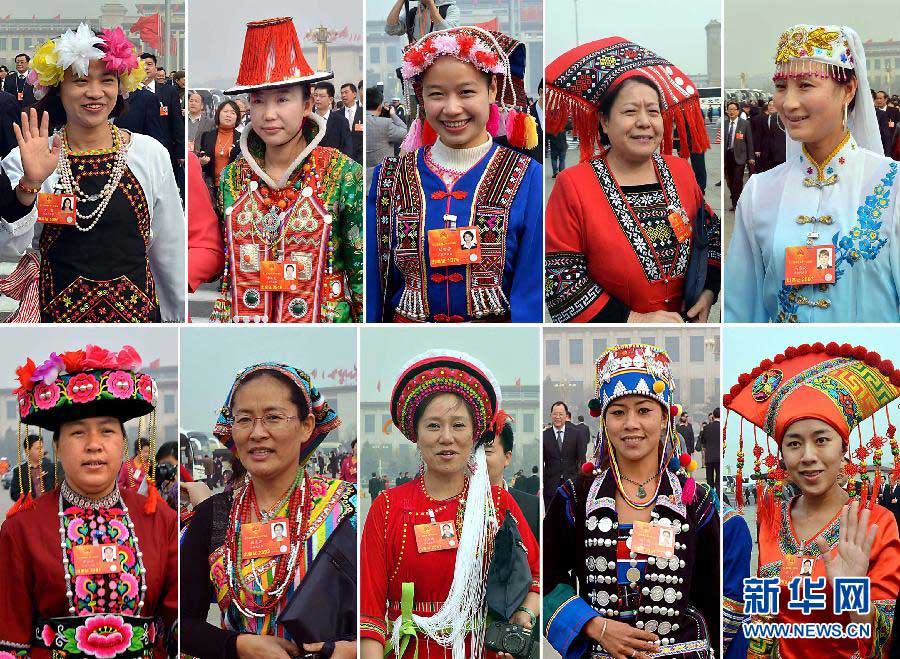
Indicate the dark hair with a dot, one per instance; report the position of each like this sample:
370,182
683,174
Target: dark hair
3,68
734,103
559,402
468,233
581,418
194,92
507,438
160,68
30,441
849,75
234,106
296,397
541,84
353,443
374,98
140,443
716,413
881,91
420,410
352,87
25,55
167,450
534,469
52,105
177,75
327,86
609,100
121,425
148,56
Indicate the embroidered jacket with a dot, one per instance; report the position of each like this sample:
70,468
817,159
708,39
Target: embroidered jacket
501,195
736,548
590,572
849,201
607,257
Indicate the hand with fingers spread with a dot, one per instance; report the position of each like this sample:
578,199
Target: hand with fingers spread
854,545
621,640
39,159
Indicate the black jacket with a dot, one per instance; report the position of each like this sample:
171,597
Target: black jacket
530,506
710,439
46,469
9,113
356,136
560,466
14,86
337,133
171,119
207,144
143,117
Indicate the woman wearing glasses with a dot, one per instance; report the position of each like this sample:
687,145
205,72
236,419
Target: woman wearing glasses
273,420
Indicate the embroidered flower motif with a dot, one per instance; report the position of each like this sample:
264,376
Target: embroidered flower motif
809,170
76,529
841,160
46,395
145,387
83,388
128,585
47,636
24,403
798,42
120,384
49,370
104,636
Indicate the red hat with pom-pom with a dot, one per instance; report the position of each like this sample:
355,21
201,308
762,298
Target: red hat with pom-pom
841,385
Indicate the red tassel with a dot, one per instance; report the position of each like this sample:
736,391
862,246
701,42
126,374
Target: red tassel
500,419
832,349
689,490
863,493
876,488
267,37
790,352
16,506
818,346
739,493
684,149
152,498
429,136
726,399
587,468
873,359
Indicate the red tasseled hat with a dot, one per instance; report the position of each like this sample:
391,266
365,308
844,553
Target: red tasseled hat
578,80
273,58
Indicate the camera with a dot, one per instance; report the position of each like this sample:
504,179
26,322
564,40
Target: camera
512,639
165,471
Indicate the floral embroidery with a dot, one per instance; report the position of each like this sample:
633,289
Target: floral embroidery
83,388
46,396
800,42
120,384
104,636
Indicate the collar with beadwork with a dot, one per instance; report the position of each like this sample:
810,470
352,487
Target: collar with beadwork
828,172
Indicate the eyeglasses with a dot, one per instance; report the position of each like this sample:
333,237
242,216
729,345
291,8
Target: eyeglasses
245,423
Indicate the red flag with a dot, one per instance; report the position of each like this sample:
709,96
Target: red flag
378,386
492,24
518,382
149,28
57,17
154,364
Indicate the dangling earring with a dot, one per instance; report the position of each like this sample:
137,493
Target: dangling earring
846,105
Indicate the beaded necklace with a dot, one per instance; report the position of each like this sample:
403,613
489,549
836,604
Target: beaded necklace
106,506
299,502
68,184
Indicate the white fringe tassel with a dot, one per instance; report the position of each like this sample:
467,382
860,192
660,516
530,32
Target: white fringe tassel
463,610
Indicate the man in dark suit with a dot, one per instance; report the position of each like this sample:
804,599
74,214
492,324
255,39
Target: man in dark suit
41,468
686,430
169,115
499,455
376,485
564,450
143,117
887,121
738,151
337,131
530,484
353,113
9,114
774,141
16,84
710,439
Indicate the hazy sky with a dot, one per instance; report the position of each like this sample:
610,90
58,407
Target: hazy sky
752,28
745,347
212,356
675,30
216,29
50,8
20,343
511,353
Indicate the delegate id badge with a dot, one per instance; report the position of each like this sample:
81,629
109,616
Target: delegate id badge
277,276
95,559
56,208
653,539
793,566
456,246
680,223
163,110
334,287
435,536
265,538
808,264
20,96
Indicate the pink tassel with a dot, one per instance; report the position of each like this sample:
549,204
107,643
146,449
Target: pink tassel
690,489
493,122
413,139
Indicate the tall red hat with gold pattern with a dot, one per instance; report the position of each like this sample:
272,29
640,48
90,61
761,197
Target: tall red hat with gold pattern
841,385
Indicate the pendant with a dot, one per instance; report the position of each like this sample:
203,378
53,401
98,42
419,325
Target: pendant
812,237
641,491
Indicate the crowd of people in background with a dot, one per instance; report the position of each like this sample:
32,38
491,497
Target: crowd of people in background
754,137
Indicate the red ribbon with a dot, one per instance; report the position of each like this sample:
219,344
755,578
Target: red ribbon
456,194
22,285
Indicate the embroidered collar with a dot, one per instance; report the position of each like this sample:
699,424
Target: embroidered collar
823,174
81,501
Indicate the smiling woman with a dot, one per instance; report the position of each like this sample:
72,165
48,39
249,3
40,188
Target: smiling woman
468,82
97,566
125,241
650,206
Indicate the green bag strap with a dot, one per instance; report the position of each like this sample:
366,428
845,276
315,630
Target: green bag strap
407,625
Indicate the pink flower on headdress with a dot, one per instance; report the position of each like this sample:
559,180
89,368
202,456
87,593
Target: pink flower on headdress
49,370
120,56
120,384
128,359
145,388
83,388
97,357
24,403
447,44
46,395
103,636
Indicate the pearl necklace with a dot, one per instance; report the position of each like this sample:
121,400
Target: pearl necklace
109,501
69,185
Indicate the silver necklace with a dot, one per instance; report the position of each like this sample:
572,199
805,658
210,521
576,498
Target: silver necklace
641,492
